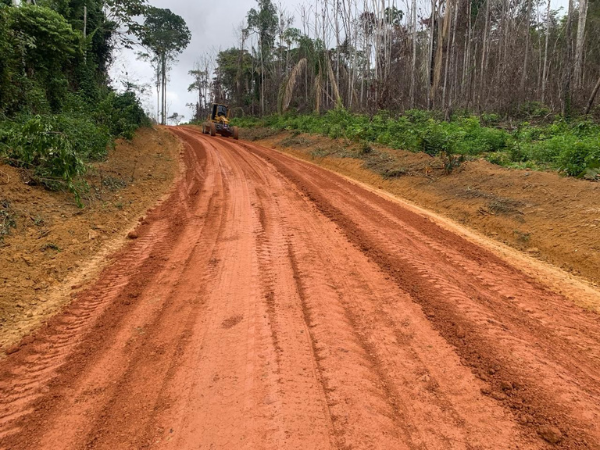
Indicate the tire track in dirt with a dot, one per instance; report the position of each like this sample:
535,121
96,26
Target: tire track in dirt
163,330
42,357
534,365
328,305
95,316
318,286
259,389
270,304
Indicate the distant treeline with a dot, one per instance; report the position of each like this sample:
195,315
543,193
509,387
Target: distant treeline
446,55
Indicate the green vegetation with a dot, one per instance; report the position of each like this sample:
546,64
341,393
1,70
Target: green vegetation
58,111
164,35
518,69
573,148
56,148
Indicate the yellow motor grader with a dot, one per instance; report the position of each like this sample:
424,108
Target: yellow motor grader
218,122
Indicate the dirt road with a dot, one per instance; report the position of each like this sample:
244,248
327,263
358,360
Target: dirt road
268,303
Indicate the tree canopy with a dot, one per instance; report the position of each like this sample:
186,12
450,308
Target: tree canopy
165,35
58,109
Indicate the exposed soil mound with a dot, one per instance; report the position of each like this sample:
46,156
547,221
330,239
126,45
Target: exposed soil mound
48,242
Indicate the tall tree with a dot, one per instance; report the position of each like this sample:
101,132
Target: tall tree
165,35
488,54
263,21
527,41
545,63
567,63
578,70
201,84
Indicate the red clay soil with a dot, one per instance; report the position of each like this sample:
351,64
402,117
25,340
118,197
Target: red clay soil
56,246
269,303
553,218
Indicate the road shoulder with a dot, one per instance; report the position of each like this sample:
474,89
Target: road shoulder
55,248
541,222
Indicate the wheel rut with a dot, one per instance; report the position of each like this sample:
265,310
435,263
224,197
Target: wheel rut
271,304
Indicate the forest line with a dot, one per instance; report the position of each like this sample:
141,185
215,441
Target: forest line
495,56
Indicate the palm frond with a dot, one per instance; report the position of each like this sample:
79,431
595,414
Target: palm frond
287,88
336,90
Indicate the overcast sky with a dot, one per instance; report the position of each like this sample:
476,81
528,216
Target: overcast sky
213,25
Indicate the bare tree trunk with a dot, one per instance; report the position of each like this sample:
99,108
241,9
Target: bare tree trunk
165,91
389,41
378,36
430,61
253,82
443,32
472,78
262,80
578,71
449,52
592,97
484,51
414,53
318,90
567,69
527,39
162,90
539,54
467,50
368,64
334,87
353,44
337,41
502,41
544,72
158,90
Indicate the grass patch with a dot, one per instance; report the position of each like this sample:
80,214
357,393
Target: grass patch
570,147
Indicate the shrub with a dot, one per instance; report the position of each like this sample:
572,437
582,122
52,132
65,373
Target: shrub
38,144
122,114
532,110
435,139
570,147
490,119
499,158
581,155
54,148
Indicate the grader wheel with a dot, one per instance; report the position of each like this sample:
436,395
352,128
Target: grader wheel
213,129
235,133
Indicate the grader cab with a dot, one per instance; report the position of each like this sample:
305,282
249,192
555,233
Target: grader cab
218,122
